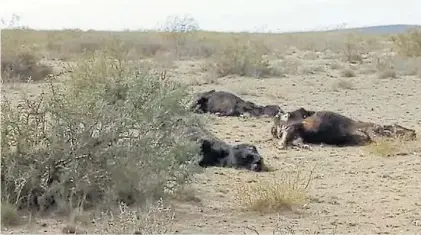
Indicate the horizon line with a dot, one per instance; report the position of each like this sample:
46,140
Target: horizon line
157,29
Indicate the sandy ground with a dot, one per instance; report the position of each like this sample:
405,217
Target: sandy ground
352,191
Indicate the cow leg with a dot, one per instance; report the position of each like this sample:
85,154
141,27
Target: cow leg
282,143
274,132
231,113
360,137
299,142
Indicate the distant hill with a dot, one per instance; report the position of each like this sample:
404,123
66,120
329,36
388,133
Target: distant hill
381,29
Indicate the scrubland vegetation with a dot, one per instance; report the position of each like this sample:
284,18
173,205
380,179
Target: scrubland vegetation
104,138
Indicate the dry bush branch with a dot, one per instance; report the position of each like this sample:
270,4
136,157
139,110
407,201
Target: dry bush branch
157,218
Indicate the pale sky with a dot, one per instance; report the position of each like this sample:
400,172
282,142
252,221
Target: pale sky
217,15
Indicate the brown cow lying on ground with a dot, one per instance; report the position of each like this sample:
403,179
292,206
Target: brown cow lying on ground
302,126
227,104
280,118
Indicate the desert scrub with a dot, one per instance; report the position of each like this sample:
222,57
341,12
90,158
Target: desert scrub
244,58
409,43
352,49
112,134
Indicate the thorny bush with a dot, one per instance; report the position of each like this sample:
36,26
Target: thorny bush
112,134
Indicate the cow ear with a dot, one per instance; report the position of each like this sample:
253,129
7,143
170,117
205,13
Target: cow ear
205,143
252,148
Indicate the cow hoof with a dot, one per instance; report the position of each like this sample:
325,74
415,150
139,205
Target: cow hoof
305,146
301,146
282,147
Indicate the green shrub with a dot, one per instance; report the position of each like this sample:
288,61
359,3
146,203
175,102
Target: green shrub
112,134
409,43
242,58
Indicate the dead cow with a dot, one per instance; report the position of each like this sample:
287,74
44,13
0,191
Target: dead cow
268,111
218,153
227,104
322,127
332,128
281,118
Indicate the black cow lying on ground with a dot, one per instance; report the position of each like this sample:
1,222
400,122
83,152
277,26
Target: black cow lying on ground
215,152
302,126
218,153
227,104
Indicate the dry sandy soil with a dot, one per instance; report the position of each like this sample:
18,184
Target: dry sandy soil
352,191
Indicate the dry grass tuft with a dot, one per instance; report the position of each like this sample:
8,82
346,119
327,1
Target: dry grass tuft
352,50
336,66
275,194
187,194
157,218
348,73
386,67
70,229
342,84
9,215
385,147
388,73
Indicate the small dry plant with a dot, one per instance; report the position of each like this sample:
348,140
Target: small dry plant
275,193
342,84
336,66
385,67
348,73
351,50
386,147
186,194
388,73
9,215
157,218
